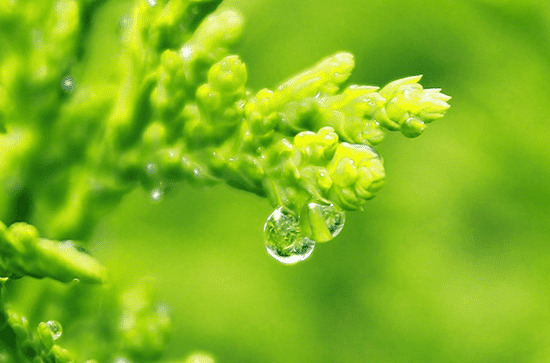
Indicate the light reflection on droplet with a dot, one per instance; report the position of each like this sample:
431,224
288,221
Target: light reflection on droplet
151,169
67,83
186,52
156,194
55,329
297,253
125,21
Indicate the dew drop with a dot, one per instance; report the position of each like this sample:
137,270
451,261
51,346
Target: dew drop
67,83
66,245
156,194
55,329
283,238
152,2
326,221
151,169
186,52
125,21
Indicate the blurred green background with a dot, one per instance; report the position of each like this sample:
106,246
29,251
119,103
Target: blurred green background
449,263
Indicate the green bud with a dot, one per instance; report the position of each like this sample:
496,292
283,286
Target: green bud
209,42
45,336
209,98
410,106
344,173
155,135
324,77
228,75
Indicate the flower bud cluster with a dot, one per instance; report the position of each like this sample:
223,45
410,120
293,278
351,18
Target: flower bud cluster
408,107
317,167
178,109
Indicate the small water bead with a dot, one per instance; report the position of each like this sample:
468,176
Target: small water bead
162,314
67,83
152,2
125,21
325,221
69,245
186,52
283,238
156,194
151,169
55,329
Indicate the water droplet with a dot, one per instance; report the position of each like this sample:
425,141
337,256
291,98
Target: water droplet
156,194
125,21
186,52
66,245
67,83
151,169
162,315
283,238
326,221
163,310
152,2
55,329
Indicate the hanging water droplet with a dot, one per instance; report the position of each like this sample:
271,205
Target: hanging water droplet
283,238
55,329
156,194
325,221
296,253
67,83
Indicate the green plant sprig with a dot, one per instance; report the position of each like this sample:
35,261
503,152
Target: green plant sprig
174,107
